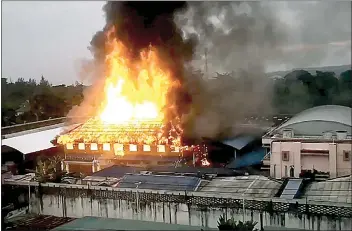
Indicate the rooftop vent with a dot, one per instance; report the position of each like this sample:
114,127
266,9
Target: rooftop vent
327,135
341,135
287,133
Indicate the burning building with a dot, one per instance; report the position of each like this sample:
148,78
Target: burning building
140,57
97,144
129,125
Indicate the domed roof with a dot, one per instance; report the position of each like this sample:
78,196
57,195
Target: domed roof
333,114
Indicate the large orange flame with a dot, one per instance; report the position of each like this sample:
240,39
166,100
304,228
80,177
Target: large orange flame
134,99
134,89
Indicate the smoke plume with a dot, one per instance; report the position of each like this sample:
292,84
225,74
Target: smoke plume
240,38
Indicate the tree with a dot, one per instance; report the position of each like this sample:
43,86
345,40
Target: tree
327,86
8,116
232,225
47,104
344,95
45,100
43,82
300,90
48,169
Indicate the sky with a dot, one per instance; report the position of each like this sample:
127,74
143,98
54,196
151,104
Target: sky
51,38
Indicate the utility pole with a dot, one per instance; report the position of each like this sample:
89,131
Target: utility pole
206,62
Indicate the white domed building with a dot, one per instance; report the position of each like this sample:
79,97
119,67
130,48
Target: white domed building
318,139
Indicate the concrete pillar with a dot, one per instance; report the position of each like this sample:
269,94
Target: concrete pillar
296,155
97,166
93,166
332,160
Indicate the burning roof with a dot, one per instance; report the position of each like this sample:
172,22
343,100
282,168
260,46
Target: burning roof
130,132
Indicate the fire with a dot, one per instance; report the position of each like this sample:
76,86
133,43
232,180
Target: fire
135,90
134,99
205,162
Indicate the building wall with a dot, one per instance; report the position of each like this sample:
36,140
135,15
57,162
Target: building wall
320,163
343,167
329,160
175,213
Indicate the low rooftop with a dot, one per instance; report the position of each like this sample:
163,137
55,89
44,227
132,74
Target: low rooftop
338,190
247,186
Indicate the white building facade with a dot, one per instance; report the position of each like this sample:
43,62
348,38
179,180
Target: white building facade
317,139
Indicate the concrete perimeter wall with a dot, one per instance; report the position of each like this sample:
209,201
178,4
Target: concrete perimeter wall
53,201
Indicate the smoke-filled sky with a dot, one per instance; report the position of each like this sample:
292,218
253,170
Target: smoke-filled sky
51,38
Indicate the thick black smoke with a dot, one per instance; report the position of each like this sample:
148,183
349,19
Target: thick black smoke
141,24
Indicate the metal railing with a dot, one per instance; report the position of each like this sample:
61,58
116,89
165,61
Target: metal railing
32,125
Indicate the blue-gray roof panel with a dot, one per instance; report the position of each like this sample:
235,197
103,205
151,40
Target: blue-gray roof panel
291,189
239,142
248,159
160,182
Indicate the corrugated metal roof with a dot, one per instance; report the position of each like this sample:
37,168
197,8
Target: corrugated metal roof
116,171
195,170
160,182
33,142
336,191
248,159
248,186
239,142
99,223
330,113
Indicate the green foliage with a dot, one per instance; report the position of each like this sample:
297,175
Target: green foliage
300,90
232,225
48,169
27,101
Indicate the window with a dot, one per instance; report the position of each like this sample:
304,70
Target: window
285,156
146,148
94,147
106,147
161,148
81,146
118,150
346,155
118,147
69,146
133,148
